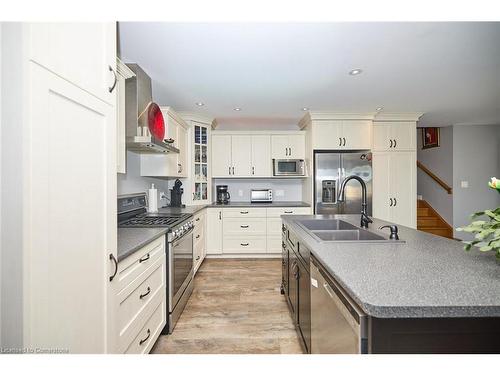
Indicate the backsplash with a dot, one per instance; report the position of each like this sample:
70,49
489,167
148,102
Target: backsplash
291,188
133,182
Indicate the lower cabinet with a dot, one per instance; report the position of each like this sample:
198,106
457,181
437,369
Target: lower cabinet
140,298
247,230
199,239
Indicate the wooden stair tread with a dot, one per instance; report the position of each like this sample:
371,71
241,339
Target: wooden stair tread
429,221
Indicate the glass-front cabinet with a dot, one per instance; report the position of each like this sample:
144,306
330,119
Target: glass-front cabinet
201,152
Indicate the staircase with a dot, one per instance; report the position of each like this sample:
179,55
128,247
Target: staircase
428,220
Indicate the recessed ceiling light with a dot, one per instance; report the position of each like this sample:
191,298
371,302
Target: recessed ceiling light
355,72
237,109
379,109
200,104
305,109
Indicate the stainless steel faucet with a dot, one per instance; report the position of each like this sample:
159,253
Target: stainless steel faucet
365,220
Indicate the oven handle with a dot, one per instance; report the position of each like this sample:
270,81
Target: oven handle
177,240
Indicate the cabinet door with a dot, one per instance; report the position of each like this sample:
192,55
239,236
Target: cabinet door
241,155
403,188
221,155
381,186
261,156
357,135
79,52
214,231
293,285
304,307
279,146
182,156
297,146
403,135
327,135
69,176
382,136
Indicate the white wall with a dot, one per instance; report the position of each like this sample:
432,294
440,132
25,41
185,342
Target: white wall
292,188
476,158
440,161
1,25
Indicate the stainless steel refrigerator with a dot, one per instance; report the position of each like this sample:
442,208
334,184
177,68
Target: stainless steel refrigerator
330,169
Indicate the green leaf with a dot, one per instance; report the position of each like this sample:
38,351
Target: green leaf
485,248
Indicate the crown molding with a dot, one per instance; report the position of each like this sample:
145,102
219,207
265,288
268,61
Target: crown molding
191,116
175,115
398,116
123,70
337,115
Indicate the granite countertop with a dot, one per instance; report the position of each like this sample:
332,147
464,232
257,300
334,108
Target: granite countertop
132,239
428,276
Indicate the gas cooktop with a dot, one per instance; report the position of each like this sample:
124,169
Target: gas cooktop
141,221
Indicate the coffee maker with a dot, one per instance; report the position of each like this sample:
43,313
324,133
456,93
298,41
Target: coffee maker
176,194
223,195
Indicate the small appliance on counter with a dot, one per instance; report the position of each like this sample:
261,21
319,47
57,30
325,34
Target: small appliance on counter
223,195
176,194
261,196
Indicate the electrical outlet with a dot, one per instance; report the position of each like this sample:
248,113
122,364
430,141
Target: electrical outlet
240,193
280,193
464,184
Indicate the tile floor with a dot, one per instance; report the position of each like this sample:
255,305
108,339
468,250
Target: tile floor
236,308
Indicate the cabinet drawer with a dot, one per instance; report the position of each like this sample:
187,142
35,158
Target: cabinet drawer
274,245
278,211
198,234
244,212
198,248
134,265
149,332
232,245
274,226
199,219
137,300
239,227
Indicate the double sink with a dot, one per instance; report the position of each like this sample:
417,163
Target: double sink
329,230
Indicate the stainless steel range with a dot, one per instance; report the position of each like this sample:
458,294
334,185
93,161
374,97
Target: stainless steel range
179,249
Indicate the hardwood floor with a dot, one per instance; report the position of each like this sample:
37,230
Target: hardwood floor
236,308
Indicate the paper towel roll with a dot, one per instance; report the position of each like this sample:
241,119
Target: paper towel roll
152,199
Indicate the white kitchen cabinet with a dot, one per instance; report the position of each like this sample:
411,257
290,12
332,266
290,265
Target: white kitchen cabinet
261,156
289,146
394,187
221,155
168,165
214,230
342,134
199,238
81,52
123,73
394,136
241,155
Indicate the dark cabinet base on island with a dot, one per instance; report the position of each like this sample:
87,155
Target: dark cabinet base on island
434,336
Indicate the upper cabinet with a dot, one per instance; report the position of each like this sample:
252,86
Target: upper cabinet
288,146
341,134
84,54
242,154
168,165
123,73
394,136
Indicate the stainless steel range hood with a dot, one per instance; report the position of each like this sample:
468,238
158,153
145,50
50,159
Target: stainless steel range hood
138,96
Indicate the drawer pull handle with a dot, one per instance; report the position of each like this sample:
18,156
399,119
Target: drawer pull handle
146,338
288,212
243,226
244,244
197,219
198,257
243,212
144,258
198,236
145,294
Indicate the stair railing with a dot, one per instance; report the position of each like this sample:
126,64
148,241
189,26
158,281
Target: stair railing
443,184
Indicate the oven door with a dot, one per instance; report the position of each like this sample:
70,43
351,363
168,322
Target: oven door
291,167
180,267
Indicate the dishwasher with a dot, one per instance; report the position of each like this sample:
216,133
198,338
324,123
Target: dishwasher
338,325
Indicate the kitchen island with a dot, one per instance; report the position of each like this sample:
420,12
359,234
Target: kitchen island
425,294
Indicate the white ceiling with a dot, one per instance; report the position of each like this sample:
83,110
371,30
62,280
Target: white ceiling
449,71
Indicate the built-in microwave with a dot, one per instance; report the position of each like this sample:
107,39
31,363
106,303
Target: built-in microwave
288,167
